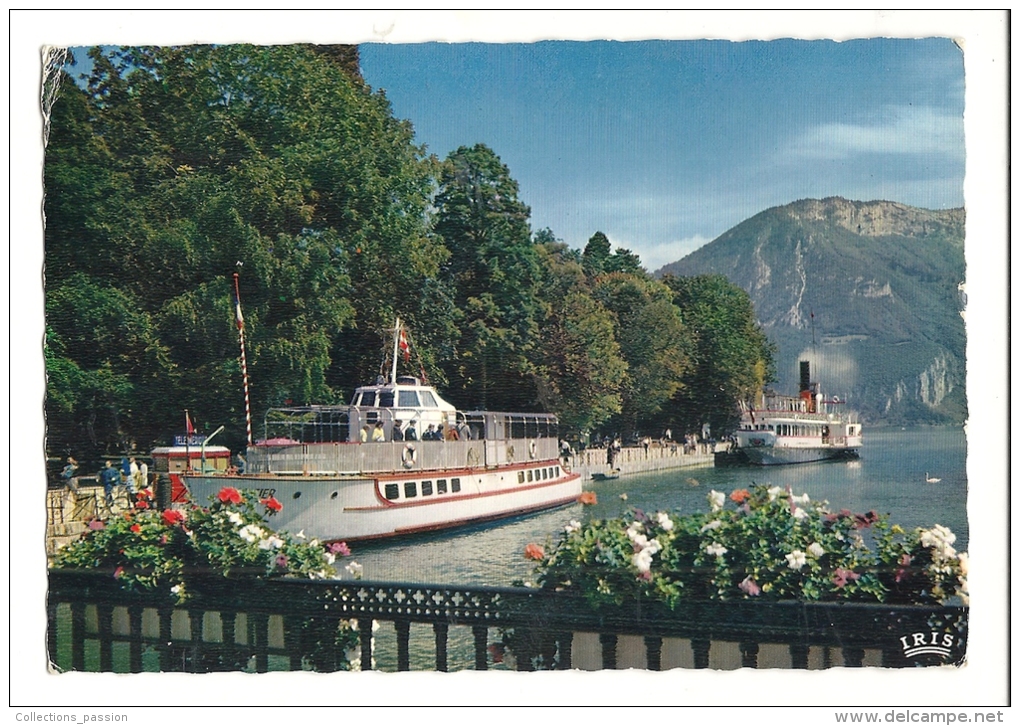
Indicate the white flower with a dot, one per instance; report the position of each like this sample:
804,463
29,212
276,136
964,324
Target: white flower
653,546
355,569
643,560
774,492
816,550
664,521
271,543
799,513
716,549
176,589
964,559
572,527
251,533
300,535
330,557
802,499
714,524
796,559
640,541
716,500
235,518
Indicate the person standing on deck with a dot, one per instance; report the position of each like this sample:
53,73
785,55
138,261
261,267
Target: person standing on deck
364,434
378,434
398,433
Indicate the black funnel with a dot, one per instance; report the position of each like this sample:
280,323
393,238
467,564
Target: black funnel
805,375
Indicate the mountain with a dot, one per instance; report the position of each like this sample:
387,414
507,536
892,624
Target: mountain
869,292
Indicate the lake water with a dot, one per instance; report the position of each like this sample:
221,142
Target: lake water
889,478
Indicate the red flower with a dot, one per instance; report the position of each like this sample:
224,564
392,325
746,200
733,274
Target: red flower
588,498
136,528
739,496
172,517
229,495
272,504
535,551
141,504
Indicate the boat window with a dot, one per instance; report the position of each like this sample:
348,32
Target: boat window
408,399
520,477
392,491
367,398
428,400
426,488
385,399
531,475
410,489
455,484
557,470
441,486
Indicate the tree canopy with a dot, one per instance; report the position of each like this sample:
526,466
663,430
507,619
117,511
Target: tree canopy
168,169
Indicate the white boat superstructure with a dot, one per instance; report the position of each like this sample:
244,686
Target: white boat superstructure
398,460
797,429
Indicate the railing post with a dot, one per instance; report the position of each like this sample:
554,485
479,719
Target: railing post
853,657
135,629
700,646
653,652
228,619
403,636
442,631
799,656
293,641
365,638
608,642
165,641
525,650
51,633
566,643
260,629
195,632
77,636
481,634
748,655
104,616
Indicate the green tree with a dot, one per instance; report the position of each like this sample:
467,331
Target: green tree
653,340
493,268
174,164
732,358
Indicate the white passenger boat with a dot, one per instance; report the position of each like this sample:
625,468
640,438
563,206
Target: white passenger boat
366,470
797,429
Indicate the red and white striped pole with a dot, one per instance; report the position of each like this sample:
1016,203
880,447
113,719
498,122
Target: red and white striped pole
244,362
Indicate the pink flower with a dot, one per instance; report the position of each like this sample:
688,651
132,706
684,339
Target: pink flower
96,524
229,495
118,573
281,561
340,548
842,577
535,551
750,587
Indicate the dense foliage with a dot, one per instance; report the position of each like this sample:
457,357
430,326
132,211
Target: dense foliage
763,543
170,168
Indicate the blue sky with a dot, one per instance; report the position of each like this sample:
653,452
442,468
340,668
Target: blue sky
664,145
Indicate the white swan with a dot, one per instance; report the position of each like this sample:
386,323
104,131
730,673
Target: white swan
931,479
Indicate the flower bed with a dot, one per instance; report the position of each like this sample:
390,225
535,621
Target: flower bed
147,549
762,543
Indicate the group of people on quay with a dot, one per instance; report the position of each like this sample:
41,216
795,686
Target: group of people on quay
129,473
409,432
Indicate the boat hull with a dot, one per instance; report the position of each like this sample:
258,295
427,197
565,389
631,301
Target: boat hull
364,507
779,456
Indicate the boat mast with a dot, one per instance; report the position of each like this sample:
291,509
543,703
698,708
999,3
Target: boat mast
396,344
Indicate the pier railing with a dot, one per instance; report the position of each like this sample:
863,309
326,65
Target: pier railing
284,624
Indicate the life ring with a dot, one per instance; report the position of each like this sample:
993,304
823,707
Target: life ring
532,449
409,456
510,453
472,457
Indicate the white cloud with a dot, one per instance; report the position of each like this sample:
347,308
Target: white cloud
655,255
900,130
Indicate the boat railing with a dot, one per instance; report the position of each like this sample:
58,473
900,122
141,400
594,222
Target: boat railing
388,456
289,624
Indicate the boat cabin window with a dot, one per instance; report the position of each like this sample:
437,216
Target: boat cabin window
385,399
408,399
365,398
410,489
426,488
455,484
392,491
441,486
428,400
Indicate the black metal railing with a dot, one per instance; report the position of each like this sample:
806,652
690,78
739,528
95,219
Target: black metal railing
93,624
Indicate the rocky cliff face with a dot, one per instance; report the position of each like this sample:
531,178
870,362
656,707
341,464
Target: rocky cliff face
868,291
